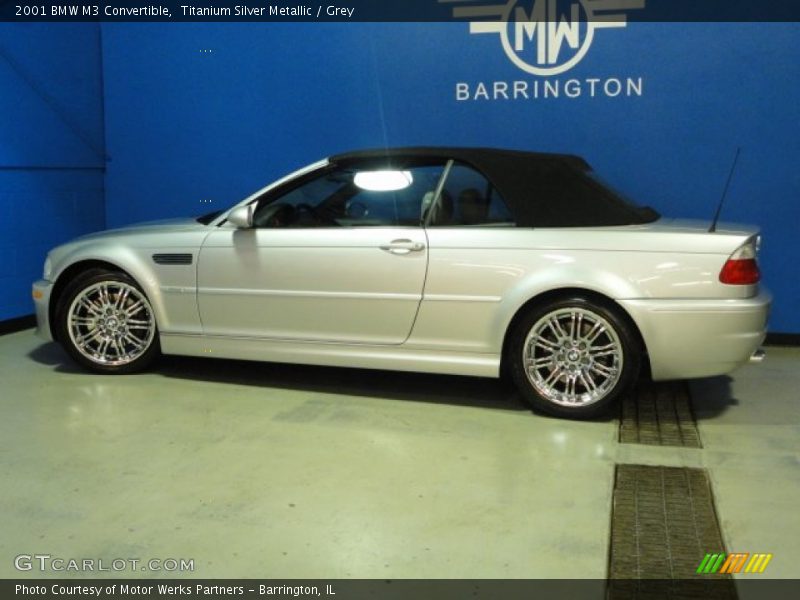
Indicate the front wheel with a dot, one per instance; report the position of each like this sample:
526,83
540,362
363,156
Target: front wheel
573,357
106,323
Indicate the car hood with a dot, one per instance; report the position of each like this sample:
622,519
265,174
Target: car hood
160,226
105,245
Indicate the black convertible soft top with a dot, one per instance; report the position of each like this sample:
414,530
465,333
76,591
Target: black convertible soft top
540,189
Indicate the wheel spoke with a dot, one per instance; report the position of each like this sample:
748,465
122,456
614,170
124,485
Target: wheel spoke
539,363
83,321
595,333
105,298
101,350
578,325
573,330
546,344
554,376
90,306
603,369
571,382
556,328
116,346
132,340
92,335
606,348
588,381
121,298
134,308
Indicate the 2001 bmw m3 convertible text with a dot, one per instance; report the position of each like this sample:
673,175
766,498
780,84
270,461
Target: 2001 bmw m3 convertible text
444,260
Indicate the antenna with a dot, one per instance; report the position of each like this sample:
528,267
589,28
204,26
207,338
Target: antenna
713,227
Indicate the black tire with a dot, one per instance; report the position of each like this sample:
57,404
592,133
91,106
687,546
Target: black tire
137,359
563,368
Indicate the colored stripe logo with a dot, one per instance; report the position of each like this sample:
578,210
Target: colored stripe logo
733,563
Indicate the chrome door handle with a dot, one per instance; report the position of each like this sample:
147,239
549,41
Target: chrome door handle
403,246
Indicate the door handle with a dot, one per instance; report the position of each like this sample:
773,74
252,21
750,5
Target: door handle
403,246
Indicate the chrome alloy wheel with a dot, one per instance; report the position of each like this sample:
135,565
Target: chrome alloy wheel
573,357
111,323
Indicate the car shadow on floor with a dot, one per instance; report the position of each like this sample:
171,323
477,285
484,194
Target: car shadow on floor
395,385
712,396
52,355
476,392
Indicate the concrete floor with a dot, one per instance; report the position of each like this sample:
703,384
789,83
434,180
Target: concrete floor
267,470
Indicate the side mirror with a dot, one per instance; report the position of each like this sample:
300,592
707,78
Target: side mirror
242,216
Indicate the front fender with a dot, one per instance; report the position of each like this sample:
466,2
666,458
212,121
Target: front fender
170,289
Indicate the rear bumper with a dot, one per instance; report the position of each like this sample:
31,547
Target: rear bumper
41,300
700,338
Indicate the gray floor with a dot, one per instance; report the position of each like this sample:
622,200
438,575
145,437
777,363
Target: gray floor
268,470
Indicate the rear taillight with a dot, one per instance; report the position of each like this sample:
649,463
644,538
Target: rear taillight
741,268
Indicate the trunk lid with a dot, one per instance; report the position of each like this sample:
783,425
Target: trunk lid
667,224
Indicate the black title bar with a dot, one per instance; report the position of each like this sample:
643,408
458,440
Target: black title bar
403,589
389,10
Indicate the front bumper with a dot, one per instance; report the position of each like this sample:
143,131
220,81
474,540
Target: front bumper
41,300
700,338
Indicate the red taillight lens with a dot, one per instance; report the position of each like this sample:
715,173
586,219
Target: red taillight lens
741,268
740,272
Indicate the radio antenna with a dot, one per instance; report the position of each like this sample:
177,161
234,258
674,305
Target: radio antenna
713,227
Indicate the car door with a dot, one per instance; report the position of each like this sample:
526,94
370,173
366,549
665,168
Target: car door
339,256
475,255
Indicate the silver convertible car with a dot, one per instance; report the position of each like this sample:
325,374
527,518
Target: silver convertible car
460,261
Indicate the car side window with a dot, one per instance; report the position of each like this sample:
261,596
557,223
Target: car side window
469,199
353,197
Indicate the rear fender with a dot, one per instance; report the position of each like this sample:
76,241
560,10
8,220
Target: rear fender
539,283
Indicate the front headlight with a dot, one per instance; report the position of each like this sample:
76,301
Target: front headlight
48,267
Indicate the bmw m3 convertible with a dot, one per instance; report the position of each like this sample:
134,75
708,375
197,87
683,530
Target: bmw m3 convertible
444,260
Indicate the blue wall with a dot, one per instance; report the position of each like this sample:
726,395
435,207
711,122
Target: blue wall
51,148
210,112
185,126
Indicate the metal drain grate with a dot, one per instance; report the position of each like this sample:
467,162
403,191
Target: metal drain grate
659,414
662,525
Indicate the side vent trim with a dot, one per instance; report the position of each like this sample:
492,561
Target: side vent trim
172,259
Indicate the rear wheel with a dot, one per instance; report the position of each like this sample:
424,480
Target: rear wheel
573,357
106,323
